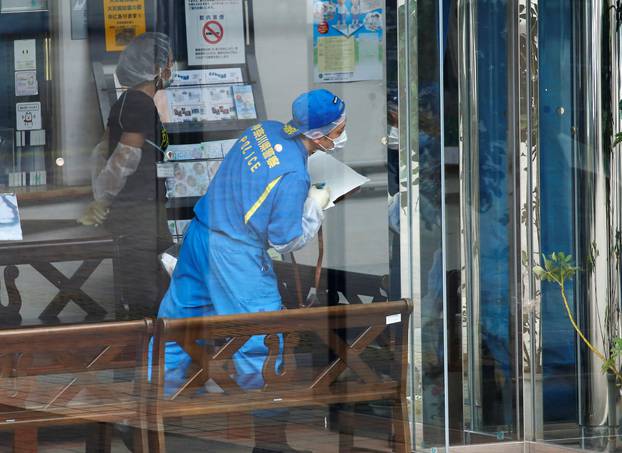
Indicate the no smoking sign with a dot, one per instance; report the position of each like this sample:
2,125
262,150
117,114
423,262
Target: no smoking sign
213,32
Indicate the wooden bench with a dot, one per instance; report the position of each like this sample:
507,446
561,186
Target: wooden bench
62,375
357,367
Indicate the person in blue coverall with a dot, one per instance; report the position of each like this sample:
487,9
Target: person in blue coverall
260,198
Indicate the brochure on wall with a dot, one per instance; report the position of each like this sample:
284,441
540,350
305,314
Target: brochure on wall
215,32
341,179
186,104
347,40
10,226
207,76
28,116
26,83
124,20
244,102
25,54
220,104
21,6
190,179
196,151
207,103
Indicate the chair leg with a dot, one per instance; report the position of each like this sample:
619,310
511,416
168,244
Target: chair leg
401,427
156,437
141,440
25,440
99,439
346,431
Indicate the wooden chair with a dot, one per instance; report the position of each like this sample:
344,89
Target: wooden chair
353,372
62,375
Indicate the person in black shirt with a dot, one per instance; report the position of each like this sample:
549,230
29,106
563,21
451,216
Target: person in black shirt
127,198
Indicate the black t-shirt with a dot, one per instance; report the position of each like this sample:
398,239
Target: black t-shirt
139,207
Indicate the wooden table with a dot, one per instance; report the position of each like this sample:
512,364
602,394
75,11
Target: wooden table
53,241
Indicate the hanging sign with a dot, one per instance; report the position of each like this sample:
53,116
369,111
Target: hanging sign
25,54
215,32
124,20
348,40
28,116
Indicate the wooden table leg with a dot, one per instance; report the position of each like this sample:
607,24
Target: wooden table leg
99,438
25,440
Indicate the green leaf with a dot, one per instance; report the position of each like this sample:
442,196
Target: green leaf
539,271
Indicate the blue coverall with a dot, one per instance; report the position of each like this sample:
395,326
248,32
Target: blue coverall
256,199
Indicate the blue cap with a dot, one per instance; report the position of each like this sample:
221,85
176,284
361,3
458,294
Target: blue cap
313,110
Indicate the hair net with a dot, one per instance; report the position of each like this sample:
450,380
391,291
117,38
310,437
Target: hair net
324,130
142,59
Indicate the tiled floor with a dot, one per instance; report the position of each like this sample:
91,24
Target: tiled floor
198,435
305,431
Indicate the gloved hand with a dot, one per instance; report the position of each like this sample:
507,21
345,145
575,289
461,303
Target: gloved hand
320,196
95,213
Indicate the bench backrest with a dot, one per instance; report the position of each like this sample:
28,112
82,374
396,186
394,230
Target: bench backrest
363,357
98,366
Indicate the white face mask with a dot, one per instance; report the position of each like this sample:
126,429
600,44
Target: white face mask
393,139
339,142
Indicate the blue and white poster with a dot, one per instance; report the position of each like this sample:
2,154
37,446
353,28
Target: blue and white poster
10,225
347,40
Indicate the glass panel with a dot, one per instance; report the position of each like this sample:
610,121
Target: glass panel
168,160
487,169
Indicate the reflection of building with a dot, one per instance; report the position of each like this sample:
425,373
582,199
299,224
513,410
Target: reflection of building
533,114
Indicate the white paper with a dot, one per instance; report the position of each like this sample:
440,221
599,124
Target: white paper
10,226
394,319
28,116
215,32
25,54
26,83
208,76
337,176
165,170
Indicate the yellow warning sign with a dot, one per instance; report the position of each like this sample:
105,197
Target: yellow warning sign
124,19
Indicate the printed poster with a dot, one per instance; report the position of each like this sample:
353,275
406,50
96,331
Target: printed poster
25,54
10,226
26,83
347,40
190,179
28,116
21,6
244,102
220,104
215,32
123,19
207,76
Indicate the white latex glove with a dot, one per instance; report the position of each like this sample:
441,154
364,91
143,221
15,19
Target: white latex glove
95,214
320,196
